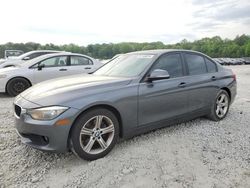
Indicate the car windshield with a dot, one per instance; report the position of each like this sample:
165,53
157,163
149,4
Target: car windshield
129,65
25,55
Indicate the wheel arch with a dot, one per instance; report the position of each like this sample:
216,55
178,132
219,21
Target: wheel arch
228,92
16,78
105,106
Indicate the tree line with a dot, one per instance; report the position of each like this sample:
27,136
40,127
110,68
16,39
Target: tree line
214,47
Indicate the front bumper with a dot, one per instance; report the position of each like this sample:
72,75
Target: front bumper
43,135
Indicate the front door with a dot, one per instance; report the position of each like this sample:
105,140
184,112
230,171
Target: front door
53,67
163,99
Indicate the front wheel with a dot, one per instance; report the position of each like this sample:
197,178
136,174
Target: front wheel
17,86
220,106
94,134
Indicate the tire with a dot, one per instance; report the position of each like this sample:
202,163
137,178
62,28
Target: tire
220,106
90,140
16,86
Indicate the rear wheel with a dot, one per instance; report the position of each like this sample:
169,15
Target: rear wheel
220,107
17,86
94,134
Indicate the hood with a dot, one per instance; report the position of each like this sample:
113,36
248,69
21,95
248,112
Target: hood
61,90
8,69
10,59
10,62
2,60
13,57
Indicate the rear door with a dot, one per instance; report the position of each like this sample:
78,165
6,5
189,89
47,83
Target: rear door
80,65
163,99
53,67
201,81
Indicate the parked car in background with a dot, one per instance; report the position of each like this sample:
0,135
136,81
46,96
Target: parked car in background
108,60
246,60
135,93
8,54
15,80
218,61
231,61
13,61
241,61
12,53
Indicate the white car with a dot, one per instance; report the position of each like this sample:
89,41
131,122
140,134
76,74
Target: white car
13,61
15,80
12,53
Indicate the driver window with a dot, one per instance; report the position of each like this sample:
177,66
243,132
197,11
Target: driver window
55,62
171,63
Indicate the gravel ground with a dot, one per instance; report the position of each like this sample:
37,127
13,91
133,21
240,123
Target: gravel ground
199,153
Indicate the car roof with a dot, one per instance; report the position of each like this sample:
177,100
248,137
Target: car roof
36,51
163,51
45,51
42,57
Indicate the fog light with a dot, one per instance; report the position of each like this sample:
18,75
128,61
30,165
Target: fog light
46,139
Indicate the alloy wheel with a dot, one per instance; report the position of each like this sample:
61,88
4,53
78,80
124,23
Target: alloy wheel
97,134
222,104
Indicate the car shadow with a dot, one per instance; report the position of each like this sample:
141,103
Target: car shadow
4,95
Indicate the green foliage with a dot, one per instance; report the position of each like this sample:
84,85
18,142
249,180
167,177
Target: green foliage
214,47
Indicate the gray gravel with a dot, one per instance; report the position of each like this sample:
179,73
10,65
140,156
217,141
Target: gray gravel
199,153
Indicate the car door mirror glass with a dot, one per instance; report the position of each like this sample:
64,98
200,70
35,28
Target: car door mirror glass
158,74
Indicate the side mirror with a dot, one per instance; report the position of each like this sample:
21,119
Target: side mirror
40,67
158,74
26,58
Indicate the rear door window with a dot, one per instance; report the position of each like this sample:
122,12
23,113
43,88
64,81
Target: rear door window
196,64
211,66
78,60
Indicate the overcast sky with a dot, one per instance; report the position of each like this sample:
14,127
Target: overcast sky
111,21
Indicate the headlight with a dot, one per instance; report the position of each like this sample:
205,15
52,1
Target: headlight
46,113
3,75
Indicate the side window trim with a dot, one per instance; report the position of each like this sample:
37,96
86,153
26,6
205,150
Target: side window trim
205,63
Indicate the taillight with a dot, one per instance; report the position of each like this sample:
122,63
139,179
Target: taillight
234,77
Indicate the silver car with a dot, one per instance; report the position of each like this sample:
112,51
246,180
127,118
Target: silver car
132,94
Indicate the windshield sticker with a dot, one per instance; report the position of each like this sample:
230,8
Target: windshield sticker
145,56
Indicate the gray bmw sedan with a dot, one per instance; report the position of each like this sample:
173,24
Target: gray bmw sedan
132,94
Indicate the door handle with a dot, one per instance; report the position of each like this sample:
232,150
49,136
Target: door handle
87,68
182,84
213,78
63,69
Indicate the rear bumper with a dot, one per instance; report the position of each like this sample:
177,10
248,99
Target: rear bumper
233,91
